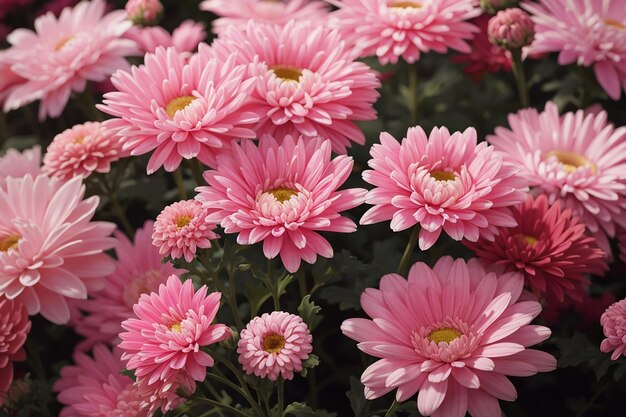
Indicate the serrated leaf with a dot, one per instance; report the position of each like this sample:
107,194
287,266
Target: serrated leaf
311,362
283,282
299,410
309,312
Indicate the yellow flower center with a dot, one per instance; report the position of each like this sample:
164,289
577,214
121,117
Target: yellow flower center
287,73
9,242
405,4
443,176
62,43
571,161
273,343
183,221
531,240
177,104
615,24
176,327
79,140
444,334
283,194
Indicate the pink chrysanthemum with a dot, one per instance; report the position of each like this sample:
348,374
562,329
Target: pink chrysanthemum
391,29
14,328
586,33
18,164
144,12
237,14
181,228
139,270
49,247
613,323
82,150
282,195
82,45
577,158
180,110
162,344
441,182
95,387
454,334
185,38
311,87
548,246
274,345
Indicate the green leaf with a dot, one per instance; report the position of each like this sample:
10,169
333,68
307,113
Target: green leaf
283,282
309,311
311,362
357,397
299,410
129,373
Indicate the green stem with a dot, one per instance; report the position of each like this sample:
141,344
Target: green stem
281,397
392,410
413,98
117,208
406,256
231,299
180,185
520,77
225,407
273,286
593,399
244,386
232,296
196,170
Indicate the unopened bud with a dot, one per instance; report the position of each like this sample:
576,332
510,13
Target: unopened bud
511,29
144,12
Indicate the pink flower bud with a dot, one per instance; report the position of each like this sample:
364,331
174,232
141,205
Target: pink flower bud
144,12
511,29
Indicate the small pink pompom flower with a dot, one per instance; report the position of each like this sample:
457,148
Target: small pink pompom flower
511,29
81,151
144,12
283,195
453,334
18,164
613,323
274,345
443,182
14,328
181,228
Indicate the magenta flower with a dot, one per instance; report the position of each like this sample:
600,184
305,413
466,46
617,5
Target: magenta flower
14,328
18,164
441,182
453,335
613,323
283,195
274,345
511,29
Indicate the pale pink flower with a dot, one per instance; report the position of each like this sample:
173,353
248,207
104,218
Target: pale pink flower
443,182
181,228
18,164
237,14
453,334
274,345
144,12
390,29
82,45
548,246
95,387
9,80
588,33
577,158
283,195
138,270
311,87
181,110
511,29
49,247
81,151
613,323
14,328
185,38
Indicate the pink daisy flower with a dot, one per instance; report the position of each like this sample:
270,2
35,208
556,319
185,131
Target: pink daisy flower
14,328
441,182
586,33
576,158
548,246
613,323
283,195
237,14
181,228
18,164
274,345
95,387
185,38
82,45
138,270
390,29
313,87
82,150
180,110
49,247
454,334
162,343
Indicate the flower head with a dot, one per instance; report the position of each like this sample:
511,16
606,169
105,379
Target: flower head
14,328
441,182
454,334
283,195
144,12
18,164
613,323
185,38
391,29
313,87
49,247
511,29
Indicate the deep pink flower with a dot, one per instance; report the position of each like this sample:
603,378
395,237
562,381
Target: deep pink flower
613,323
511,29
441,182
548,246
144,12
274,345
391,29
49,247
14,328
586,33
312,87
181,110
185,38
577,158
18,164
283,195
454,334
82,45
